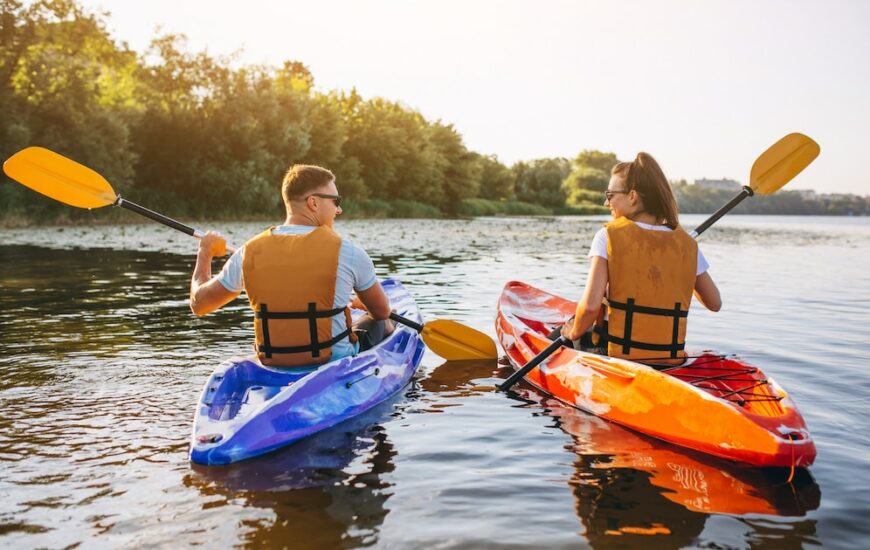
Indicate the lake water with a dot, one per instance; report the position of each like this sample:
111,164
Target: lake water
101,365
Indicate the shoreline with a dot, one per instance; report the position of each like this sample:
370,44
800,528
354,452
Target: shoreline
110,220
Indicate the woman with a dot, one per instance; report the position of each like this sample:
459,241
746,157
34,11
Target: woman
647,267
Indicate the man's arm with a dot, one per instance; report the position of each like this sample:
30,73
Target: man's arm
376,301
206,293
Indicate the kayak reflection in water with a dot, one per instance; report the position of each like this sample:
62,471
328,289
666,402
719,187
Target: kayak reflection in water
647,266
298,278
316,499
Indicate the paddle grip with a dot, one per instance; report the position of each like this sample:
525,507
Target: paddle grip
538,359
405,321
159,218
745,192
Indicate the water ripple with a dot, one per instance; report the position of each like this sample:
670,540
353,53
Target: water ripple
101,364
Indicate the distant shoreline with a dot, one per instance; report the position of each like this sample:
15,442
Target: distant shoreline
129,219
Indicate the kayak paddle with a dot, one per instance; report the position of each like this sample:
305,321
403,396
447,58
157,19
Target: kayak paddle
71,183
778,165
451,340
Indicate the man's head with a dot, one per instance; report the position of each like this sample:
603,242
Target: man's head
310,193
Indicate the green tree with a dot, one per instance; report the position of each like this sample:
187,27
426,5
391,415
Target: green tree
599,160
540,181
65,85
589,177
458,173
217,140
496,179
328,133
391,145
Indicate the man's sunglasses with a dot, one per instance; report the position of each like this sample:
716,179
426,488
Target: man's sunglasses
335,198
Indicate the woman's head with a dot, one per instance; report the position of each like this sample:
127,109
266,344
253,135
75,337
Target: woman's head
639,187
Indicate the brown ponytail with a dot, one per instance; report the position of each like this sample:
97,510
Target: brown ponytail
644,176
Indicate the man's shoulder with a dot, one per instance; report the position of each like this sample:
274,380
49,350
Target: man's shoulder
352,248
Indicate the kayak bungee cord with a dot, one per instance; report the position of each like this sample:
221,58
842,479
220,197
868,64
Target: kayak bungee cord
727,374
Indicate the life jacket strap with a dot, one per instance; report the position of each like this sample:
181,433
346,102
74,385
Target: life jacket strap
630,308
312,315
676,311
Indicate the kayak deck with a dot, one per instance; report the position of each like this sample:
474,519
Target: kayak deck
713,403
247,409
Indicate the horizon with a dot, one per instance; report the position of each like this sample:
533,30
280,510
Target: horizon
695,115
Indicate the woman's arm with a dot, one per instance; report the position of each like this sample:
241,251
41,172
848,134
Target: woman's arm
590,304
707,292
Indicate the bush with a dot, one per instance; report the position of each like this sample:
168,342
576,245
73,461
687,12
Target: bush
412,209
372,208
377,208
484,207
583,209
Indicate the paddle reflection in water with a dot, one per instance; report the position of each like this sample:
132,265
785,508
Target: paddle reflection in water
325,491
454,379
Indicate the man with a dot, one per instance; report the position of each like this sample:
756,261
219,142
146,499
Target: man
298,278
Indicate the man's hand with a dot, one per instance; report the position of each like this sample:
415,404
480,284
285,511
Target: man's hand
356,303
213,244
206,293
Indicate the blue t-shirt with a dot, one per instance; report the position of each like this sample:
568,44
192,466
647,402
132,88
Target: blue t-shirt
356,272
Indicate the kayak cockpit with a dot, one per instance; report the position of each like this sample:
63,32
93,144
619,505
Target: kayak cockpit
244,385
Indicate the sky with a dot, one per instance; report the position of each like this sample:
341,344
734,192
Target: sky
705,87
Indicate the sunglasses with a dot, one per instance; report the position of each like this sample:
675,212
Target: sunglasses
609,194
335,198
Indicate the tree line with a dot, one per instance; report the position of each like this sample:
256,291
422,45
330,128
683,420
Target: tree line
195,135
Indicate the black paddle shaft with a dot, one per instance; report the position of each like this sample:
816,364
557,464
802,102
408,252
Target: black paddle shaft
160,218
548,351
745,192
405,321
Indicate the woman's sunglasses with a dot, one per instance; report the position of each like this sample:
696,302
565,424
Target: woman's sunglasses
609,194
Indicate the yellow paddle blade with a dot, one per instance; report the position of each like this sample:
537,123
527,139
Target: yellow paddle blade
784,160
456,342
60,178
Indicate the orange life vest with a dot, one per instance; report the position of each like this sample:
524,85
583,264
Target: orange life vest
651,277
290,283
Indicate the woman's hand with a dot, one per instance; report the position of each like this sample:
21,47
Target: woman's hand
568,331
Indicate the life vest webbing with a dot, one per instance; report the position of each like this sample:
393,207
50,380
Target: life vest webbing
311,314
630,308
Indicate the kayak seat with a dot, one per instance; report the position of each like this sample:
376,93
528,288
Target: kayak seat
247,383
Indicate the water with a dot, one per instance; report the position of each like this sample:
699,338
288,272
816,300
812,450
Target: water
101,364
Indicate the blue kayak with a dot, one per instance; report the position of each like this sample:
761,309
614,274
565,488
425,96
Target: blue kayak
247,409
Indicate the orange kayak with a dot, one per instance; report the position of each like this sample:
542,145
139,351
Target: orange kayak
713,403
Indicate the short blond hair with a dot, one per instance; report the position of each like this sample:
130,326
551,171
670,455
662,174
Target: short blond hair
301,179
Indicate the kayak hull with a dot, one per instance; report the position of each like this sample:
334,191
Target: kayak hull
247,409
715,404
